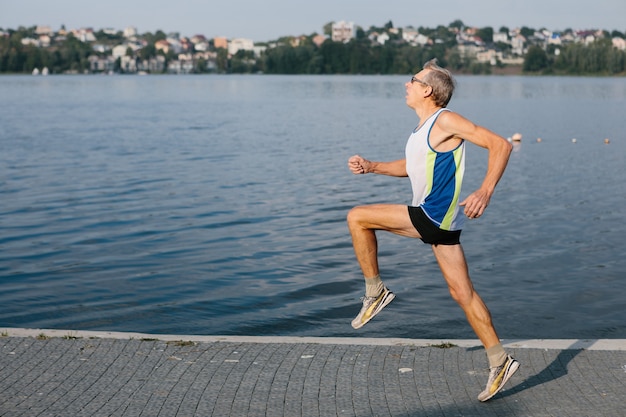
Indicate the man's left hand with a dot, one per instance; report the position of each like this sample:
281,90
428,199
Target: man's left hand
476,203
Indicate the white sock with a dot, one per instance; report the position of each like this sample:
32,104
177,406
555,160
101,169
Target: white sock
373,286
496,355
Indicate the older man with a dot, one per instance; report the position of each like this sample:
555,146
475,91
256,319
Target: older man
434,162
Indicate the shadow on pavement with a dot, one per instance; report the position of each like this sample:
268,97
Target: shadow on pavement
555,370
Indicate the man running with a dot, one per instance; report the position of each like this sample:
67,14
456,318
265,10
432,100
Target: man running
435,163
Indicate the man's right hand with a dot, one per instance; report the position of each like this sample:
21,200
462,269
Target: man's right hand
358,165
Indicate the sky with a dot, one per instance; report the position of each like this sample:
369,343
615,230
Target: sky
265,20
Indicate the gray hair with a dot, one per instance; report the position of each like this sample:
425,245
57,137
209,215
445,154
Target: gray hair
441,81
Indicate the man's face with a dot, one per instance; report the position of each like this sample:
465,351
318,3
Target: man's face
416,89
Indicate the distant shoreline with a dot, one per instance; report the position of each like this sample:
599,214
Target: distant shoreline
511,70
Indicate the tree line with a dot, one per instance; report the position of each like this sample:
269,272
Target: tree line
358,56
597,58
69,56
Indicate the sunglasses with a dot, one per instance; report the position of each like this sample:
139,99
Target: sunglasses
417,80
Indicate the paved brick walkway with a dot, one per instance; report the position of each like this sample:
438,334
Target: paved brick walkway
89,376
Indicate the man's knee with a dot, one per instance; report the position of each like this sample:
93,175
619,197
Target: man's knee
355,216
462,295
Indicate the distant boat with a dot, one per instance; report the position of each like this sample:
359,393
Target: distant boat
36,71
44,71
517,137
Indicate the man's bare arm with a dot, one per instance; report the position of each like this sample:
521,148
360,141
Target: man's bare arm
360,165
499,151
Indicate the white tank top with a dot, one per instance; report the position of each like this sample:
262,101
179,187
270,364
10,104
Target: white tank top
436,177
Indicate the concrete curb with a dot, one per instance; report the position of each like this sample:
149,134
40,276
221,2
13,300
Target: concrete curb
552,344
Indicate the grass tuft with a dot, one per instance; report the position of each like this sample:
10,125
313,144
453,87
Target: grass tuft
182,343
446,345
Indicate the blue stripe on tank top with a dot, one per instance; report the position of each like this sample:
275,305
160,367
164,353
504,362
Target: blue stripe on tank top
440,198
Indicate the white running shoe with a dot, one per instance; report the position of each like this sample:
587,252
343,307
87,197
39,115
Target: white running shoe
498,376
371,307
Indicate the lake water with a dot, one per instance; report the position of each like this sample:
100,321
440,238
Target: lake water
216,205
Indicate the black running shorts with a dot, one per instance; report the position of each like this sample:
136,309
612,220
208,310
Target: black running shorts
429,232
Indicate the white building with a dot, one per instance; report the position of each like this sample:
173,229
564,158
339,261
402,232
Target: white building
422,39
343,31
153,65
201,46
120,50
409,35
490,56
381,38
518,45
101,48
101,64
31,41
589,39
619,43
128,64
84,34
501,37
175,44
44,41
183,65
414,38
130,31
43,30
240,44
555,39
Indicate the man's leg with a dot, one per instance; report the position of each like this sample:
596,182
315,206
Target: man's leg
453,265
363,222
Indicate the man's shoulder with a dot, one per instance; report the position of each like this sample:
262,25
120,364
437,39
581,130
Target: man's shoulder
451,120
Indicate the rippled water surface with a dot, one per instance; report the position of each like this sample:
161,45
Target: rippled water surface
216,205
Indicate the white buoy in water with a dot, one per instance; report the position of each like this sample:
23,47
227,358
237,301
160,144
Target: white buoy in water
574,140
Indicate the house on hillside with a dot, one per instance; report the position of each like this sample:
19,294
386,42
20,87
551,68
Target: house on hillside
619,43
240,44
501,37
130,32
43,30
162,45
84,34
379,38
343,31
517,43
220,42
